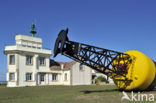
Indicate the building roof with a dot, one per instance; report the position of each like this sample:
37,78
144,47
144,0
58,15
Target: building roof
54,65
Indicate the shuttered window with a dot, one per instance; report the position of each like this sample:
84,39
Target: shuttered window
12,60
29,60
28,76
65,76
54,76
42,61
12,76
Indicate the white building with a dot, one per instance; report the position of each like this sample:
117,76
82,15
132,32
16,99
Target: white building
28,64
71,73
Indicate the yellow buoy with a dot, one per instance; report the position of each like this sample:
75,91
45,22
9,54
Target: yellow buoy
131,70
141,73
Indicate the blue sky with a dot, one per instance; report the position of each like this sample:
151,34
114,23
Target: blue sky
119,25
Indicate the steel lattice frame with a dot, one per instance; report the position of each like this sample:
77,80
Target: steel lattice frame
102,60
97,58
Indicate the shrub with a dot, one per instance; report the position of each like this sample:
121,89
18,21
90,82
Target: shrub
101,79
97,82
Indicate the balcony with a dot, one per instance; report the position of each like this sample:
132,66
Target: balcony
27,48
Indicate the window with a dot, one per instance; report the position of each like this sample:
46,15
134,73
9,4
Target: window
12,76
42,61
33,47
12,59
54,76
23,45
28,76
81,67
28,46
65,76
29,60
42,77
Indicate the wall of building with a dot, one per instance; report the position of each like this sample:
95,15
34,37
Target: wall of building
68,81
81,77
23,69
61,78
46,67
11,69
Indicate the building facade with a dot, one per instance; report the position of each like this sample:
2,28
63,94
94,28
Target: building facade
28,64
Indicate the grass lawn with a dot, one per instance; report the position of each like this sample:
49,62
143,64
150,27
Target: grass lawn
62,94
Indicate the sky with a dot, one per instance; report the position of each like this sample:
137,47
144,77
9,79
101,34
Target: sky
119,25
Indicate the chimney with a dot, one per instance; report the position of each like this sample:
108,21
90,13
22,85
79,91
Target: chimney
62,66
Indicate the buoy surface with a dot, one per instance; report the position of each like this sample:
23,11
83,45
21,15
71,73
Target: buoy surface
140,75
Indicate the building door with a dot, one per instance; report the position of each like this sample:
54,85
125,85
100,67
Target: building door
42,78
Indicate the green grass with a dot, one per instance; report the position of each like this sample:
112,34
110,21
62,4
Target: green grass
62,94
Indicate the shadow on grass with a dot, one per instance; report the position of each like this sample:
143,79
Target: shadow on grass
112,90
99,91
